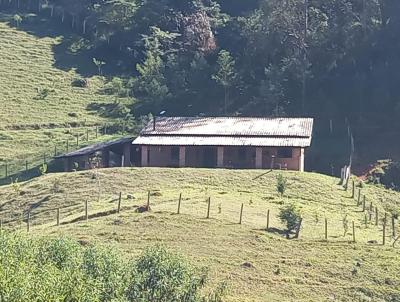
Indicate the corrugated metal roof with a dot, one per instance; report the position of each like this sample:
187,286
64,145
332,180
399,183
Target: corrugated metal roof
230,126
96,147
155,140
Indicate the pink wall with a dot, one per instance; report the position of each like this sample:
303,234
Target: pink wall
233,157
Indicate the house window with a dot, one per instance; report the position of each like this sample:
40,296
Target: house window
242,154
285,153
175,153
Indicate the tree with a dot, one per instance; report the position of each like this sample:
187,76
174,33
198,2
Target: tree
226,74
99,64
281,184
150,87
291,217
17,19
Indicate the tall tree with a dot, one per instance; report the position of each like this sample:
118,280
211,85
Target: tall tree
225,74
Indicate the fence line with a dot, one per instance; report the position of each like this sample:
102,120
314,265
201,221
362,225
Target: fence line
82,211
12,169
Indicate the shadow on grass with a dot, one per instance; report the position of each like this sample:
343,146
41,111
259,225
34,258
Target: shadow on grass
98,215
33,172
72,52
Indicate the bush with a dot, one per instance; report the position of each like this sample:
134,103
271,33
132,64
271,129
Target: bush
161,276
281,184
116,87
290,216
63,270
387,173
79,82
42,93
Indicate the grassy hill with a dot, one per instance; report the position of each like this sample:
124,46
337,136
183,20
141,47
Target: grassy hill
259,265
39,106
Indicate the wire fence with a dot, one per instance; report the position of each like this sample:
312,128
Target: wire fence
368,226
21,169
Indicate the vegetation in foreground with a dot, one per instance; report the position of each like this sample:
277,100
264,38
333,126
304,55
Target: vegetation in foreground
50,270
258,264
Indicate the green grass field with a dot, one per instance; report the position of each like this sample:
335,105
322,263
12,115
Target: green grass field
31,125
259,265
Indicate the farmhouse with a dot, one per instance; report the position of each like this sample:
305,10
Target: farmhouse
225,142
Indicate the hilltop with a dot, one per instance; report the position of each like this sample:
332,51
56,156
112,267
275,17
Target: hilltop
259,265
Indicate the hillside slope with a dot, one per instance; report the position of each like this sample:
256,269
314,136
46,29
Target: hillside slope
259,265
39,107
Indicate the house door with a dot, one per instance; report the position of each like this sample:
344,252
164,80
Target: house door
210,157
136,156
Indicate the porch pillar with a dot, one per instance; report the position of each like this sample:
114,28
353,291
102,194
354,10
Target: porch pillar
145,158
127,155
105,158
66,164
87,163
182,156
259,161
301,160
220,157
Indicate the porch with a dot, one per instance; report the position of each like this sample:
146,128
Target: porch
230,157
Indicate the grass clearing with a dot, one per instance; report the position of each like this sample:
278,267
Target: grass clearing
259,265
39,106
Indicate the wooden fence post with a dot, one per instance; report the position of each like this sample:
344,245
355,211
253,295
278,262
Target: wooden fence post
6,167
179,203
148,201
97,131
384,230
376,216
55,150
119,202
86,211
26,166
326,229
28,222
241,214
364,201
353,191
354,233
371,209
268,220
393,227
208,208
298,228
58,216
87,135
359,197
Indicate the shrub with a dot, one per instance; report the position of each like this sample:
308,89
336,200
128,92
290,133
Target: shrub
63,270
161,276
116,87
43,169
281,184
79,82
42,93
387,173
290,216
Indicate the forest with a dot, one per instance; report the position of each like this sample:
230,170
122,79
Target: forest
320,58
